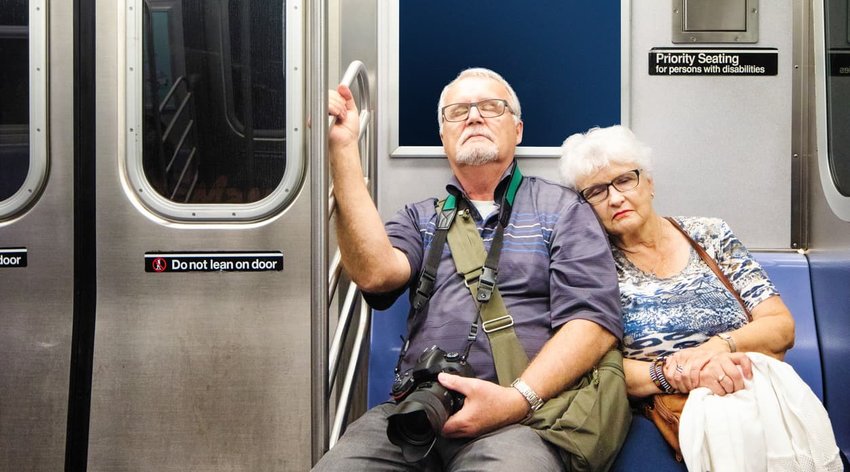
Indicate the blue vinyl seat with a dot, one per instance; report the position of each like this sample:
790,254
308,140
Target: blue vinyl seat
830,273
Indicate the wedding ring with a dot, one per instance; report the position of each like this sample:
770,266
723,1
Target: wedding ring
720,379
679,368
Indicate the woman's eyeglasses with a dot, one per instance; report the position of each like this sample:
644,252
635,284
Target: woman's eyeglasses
623,182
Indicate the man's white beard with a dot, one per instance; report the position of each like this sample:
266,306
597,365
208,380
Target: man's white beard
477,154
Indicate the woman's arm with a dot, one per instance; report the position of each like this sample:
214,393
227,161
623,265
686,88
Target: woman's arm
771,332
638,383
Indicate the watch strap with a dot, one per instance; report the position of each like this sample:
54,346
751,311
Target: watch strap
530,395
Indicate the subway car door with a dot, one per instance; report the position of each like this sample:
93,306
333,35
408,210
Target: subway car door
36,231
202,338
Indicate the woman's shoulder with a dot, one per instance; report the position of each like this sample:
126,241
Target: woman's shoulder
703,228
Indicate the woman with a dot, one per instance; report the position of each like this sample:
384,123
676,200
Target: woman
683,327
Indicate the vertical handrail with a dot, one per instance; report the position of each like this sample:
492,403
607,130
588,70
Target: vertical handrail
317,84
355,74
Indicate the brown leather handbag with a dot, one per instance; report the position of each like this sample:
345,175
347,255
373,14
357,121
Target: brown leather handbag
664,410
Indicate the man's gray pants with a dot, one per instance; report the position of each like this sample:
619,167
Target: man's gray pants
365,447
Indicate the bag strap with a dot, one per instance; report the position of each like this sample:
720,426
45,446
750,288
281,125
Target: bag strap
711,265
485,279
468,254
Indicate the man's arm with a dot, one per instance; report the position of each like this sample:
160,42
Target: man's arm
576,347
573,351
367,255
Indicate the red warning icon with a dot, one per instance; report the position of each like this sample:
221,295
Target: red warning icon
159,264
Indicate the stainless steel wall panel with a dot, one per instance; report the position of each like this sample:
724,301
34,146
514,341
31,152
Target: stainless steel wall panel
36,310
721,144
192,371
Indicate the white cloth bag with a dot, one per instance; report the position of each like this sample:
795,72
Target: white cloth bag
775,424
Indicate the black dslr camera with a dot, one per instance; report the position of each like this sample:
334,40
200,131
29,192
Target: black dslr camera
423,404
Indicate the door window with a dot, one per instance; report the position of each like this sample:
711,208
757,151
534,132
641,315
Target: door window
214,113
23,156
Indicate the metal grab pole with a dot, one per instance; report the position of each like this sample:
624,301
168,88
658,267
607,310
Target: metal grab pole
318,86
325,276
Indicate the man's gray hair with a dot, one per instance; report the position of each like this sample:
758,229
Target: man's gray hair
584,154
513,100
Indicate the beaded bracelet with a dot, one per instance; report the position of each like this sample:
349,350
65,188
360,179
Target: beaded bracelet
656,373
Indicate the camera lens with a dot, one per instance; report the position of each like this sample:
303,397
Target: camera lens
415,429
418,419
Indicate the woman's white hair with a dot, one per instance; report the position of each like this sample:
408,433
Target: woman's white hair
583,154
513,100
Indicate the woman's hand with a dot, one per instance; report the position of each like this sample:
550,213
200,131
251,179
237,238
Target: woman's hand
687,365
721,372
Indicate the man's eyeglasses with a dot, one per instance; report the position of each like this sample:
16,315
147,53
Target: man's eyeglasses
623,182
490,108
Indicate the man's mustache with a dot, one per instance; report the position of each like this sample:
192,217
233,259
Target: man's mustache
470,132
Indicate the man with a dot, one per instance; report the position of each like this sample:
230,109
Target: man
556,277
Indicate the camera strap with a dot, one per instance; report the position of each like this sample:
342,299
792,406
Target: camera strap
467,249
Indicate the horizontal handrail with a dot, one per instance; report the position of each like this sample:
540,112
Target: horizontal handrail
333,274
348,382
342,329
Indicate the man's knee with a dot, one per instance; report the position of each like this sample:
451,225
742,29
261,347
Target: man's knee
511,448
364,446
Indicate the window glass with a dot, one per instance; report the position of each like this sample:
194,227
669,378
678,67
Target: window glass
14,96
838,92
581,72
214,100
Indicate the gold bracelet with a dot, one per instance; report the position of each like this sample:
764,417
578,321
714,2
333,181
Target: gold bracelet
729,340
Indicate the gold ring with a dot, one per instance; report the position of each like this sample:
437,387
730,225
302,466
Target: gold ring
720,379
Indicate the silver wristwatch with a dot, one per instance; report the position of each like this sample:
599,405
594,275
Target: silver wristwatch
530,395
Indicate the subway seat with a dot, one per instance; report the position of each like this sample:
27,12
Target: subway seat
645,449
830,274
